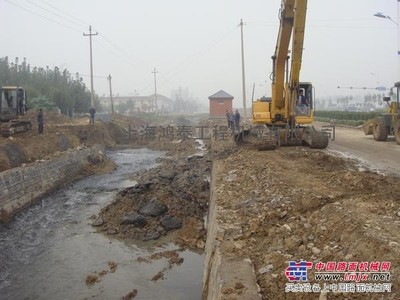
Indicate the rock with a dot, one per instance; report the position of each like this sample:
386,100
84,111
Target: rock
168,174
147,184
95,159
265,269
394,244
91,279
98,222
154,208
283,214
171,222
135,219
200,244
130,295
398,214
286,227
315,250
348,257
137,189
112,231
196,155
152,236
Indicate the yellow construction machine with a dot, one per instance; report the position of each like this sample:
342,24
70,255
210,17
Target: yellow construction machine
388,123
13,104
284,118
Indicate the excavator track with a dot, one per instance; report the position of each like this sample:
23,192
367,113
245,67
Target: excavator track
15,126
264,138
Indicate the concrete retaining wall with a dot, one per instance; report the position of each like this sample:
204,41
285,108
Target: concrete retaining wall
224,272
19,187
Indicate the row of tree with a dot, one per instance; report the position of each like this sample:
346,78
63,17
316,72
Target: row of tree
47,88
369,101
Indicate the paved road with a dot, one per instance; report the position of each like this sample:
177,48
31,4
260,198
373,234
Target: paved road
383,156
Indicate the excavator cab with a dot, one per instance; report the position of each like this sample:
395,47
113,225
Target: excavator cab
305,104
13,103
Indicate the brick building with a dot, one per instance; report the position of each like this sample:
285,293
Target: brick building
220,102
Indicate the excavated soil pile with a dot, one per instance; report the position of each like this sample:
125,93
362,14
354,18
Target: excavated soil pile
60,134
295,204
171,197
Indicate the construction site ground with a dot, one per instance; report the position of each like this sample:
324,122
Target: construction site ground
341,204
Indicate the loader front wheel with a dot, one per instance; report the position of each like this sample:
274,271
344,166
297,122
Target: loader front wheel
380,131
397,132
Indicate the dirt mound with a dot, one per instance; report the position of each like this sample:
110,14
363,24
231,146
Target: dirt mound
302,204
60,134
173,196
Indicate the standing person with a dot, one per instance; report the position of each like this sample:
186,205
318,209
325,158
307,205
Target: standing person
232,120
228,118
40,120
237,119
92,111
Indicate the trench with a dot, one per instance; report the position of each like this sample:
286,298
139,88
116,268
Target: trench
47,251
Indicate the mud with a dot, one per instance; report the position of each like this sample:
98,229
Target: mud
172,197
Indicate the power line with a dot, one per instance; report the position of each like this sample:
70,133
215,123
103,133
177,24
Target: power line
44,17
69,15
58,15
122,51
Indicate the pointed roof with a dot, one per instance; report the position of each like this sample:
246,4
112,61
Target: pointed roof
221,95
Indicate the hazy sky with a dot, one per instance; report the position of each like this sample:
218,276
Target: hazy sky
196,44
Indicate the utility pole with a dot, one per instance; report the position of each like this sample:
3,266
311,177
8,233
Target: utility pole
243,76
90,34
155,87
111,98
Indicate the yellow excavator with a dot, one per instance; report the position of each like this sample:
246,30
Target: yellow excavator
284,119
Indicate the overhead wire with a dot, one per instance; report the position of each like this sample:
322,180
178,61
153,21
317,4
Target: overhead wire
67,14
166,76
44,17
56,14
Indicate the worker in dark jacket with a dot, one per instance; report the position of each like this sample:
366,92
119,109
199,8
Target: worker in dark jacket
237,120
40,120
92,111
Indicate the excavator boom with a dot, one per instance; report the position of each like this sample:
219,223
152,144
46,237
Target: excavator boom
290,108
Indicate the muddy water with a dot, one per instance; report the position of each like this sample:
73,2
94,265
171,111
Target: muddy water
49,249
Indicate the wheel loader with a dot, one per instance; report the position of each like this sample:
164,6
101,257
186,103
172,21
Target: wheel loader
389,122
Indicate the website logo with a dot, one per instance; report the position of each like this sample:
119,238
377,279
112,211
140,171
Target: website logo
297,271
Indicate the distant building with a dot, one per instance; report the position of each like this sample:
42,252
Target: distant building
220,102
140,103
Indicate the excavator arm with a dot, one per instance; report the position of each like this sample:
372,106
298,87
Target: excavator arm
282,113
292,26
